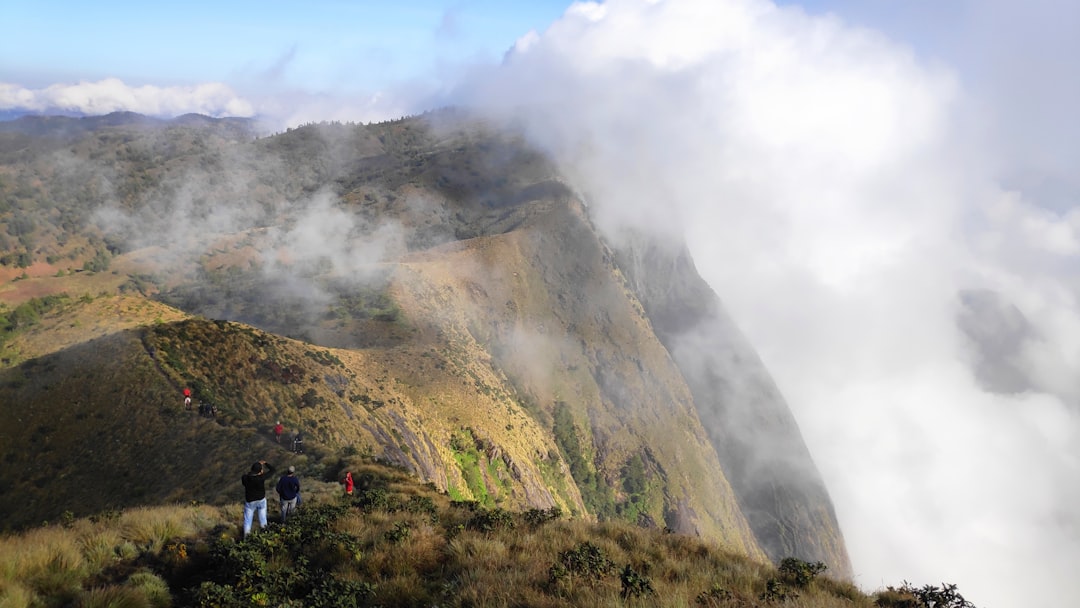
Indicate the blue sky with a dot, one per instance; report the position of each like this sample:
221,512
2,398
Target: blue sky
316,46
280,50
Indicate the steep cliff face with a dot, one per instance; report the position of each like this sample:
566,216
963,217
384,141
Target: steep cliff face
750,425
548,303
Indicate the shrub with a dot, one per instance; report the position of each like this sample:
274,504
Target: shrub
336,593
399,533
895,598
776,591
586,561
539,517
421,505
798,573
715,596
634,584
490,520
377,499
927,596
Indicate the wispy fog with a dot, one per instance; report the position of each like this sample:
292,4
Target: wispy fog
113,95
237,219
842,193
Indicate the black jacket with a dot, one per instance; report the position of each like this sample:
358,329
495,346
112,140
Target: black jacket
255,484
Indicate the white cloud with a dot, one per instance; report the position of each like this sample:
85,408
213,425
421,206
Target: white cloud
112,95
837,192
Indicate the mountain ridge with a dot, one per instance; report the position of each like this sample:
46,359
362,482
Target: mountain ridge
515,357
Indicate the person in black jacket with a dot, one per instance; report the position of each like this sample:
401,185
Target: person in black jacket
255,494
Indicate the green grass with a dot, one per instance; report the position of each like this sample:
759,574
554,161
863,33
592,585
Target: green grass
397,543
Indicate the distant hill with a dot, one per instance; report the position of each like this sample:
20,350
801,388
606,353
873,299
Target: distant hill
427,291
56,125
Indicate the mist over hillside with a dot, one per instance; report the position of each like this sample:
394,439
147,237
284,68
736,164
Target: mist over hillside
848,198
462,286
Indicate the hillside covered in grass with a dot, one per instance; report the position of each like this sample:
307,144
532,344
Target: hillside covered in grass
397,542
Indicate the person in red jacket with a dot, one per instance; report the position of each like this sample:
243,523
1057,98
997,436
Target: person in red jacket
278,430
348,483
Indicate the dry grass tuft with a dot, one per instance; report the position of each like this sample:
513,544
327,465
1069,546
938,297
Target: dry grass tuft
152,587
113,597
100,548
153,528
15,595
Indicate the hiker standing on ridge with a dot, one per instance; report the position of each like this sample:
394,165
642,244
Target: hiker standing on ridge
255,494
348,483
187,398
288,489
278,429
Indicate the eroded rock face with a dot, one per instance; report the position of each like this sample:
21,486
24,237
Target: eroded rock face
546,302
748,422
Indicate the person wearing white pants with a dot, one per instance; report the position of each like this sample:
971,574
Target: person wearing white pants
255,494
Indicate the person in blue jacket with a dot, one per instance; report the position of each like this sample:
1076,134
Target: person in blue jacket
288,489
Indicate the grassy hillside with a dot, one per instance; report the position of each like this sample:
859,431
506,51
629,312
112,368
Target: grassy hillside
399,543
98,421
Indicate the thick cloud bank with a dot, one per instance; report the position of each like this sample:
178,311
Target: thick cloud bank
112,95
836,195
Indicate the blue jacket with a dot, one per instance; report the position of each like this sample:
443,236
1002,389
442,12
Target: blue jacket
288,487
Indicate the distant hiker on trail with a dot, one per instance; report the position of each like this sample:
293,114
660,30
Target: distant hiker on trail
298,443
348,483
255,494
278,430
187,398
288,489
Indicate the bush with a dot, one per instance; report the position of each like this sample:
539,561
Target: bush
336,593
715,596
539,517
377,499
927,596
634,584
798,573
776,591
399,533
586,561
421,505
490,520
283,565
